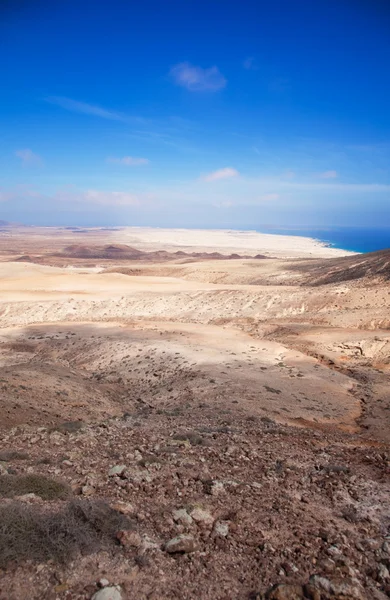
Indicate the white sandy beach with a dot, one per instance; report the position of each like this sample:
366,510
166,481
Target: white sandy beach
225,241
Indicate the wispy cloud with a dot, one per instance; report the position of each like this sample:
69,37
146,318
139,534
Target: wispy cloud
225,173
85,108
29,158
75,198
128,161
328,175
250,64
197,79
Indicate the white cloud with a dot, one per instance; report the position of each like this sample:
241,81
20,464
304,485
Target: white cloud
250,64
197,79
328,175
225,173
270,197
129,161
28,157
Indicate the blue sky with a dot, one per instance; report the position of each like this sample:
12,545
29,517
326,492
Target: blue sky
195,113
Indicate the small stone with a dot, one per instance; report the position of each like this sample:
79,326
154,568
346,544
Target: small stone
181,516
185,443
326,564
217,488
3,470
108,593
182,543
202,516
383,573
103,582
123,507
148,544
334,551
117,470
138,475
285,592
349,588
386,547
87,490
129,539
221,528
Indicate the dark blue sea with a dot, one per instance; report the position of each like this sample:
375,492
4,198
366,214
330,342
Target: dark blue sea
347,238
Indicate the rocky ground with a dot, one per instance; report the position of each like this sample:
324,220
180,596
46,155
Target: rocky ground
215,430
220,505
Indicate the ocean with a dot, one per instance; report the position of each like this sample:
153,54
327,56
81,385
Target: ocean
346,238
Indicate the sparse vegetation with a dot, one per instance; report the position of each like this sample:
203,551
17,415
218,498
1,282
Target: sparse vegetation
69,427
32,533
7,455
194,438
46,488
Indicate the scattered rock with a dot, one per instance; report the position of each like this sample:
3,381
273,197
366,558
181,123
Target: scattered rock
221,528
129,539
181,544
181,516
108,593
217,488
123,507
203,516
285,592
117,470
383,573
148,544
343,588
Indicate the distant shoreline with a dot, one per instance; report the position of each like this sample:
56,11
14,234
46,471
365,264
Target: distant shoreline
278,241
351,239
239,241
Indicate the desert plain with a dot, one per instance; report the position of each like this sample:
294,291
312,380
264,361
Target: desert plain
224,393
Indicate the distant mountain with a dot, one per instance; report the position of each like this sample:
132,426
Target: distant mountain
123,252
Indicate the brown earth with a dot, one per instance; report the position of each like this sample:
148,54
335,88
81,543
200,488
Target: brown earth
251,395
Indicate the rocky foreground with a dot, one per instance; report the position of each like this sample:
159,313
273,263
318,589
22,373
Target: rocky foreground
196,505
191,426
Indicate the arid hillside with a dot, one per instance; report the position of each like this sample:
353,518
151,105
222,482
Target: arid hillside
192,422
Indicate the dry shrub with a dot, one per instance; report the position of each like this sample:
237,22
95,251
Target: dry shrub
31,532
46,488
69,427
192,436
6,455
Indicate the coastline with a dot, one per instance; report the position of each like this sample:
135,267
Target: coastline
227,241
